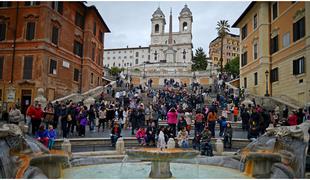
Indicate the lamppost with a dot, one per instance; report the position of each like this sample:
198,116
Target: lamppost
266,74
144,76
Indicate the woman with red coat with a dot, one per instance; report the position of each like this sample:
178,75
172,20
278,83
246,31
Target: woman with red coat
292,119
36,115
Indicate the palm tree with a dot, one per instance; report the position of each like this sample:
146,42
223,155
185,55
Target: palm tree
222,28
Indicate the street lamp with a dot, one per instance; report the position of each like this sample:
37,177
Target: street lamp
144,76
266,73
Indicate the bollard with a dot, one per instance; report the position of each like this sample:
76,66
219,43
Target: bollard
66,146
219,146
120,146
171,143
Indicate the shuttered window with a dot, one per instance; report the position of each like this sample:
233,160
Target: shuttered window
53,67
2,31
299,29
76,75
55,32
32,3
244,59
244,31
274,75
79,20
27,73
58,6
30,30
299,66
255,79
274,44
78,48
1,66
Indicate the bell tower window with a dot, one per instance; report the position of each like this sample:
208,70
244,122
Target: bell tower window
185,27
156,28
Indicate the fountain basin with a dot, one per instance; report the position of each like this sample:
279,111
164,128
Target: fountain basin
140,170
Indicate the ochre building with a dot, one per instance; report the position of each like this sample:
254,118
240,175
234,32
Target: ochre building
230,49
57,46
275,50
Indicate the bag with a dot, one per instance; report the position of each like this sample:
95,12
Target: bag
69,118
96,121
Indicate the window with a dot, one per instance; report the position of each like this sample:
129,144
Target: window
95,29
79,20
101,36
58,6
32,3
27,71
93,50
76,75
274,44
244,31
55,32
185,27
274,75
78,48
137,61
255,21
119,64
255,79
299,66
2,31
114,64
53,67
274,10
148,57
30,30
156,28
244,59
91,78
286,40
255,50
245,83
1,66
130,64
125,57
299,29
5,4
137,54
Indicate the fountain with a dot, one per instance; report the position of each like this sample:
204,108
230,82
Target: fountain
161,158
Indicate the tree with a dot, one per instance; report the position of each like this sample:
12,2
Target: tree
233,66
199,60
115,70
222,28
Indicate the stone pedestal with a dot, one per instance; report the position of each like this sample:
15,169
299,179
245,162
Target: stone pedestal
120,146
66,146
160,170
171,143
219,146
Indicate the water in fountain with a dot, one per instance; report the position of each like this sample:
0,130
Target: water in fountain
7,166
123,165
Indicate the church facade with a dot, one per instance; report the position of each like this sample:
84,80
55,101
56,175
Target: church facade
156,52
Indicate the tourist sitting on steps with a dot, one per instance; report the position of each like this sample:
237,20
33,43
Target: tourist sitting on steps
141,136
115,133
51,134
42,135
183,138
205,142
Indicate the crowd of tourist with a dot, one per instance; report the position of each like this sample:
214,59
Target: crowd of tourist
143,110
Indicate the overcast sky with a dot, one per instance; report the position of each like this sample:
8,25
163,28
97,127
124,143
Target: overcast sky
130,22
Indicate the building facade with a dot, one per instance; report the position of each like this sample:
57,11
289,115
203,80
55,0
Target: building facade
156,51
230,49
275,50
126,57
57,46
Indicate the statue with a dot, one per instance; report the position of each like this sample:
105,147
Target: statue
40,98
161,141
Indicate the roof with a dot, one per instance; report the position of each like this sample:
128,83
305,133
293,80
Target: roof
232,35
92,7
243,14
158,12
127,48
185,10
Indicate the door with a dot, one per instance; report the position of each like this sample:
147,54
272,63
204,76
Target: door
25,101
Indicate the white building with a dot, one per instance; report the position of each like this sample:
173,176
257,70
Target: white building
158,51
125,57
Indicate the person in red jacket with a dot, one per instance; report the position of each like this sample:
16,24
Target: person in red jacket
292,119
36,115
